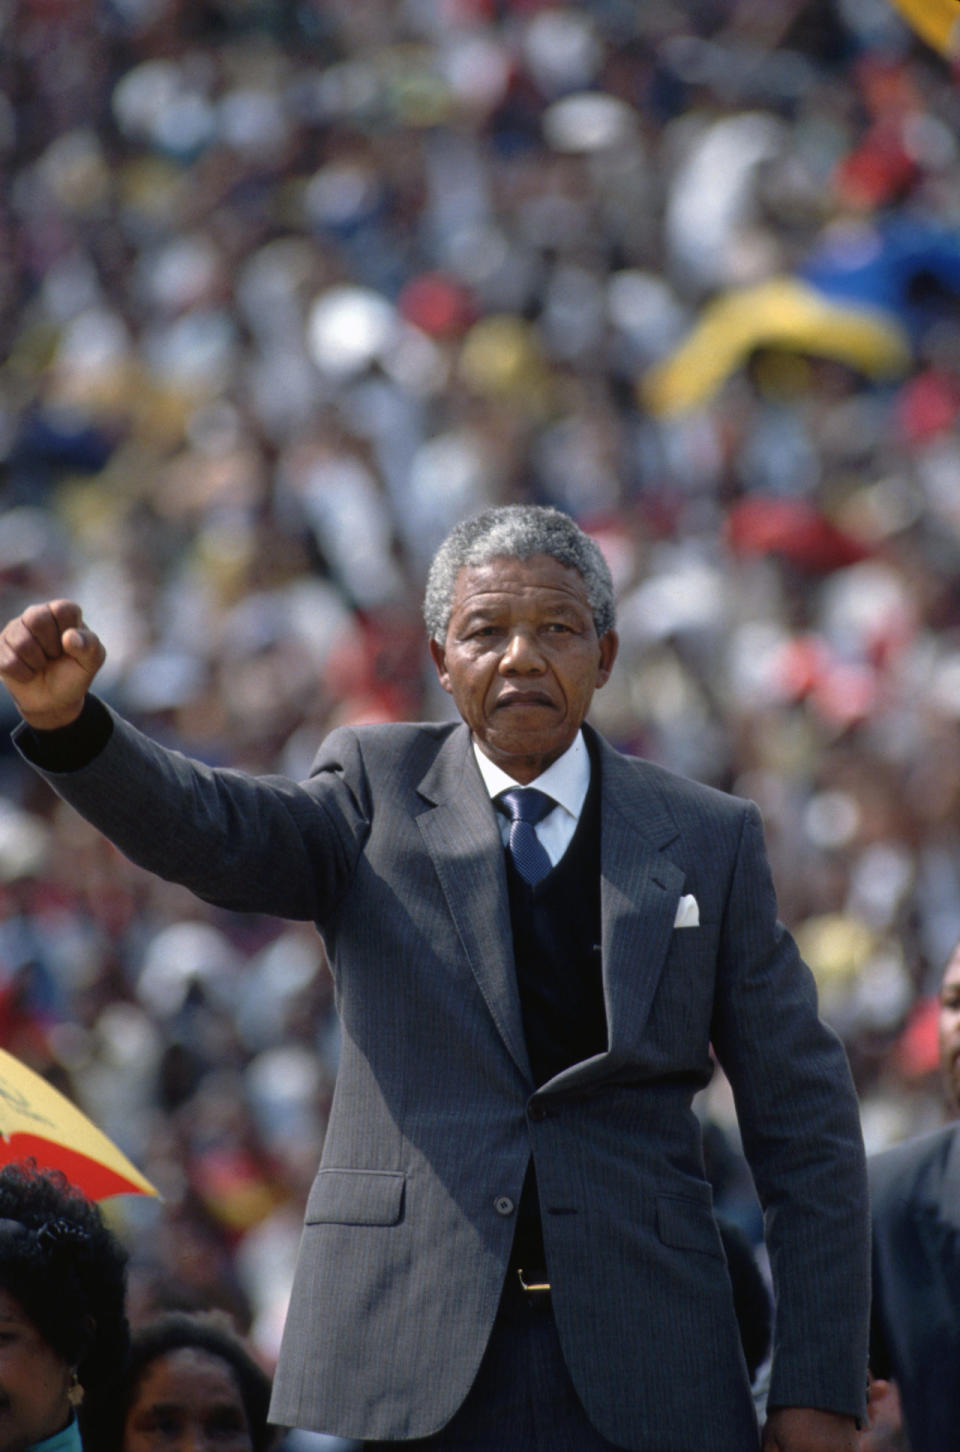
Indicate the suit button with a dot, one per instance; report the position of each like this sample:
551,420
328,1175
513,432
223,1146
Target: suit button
539,1112
503,1205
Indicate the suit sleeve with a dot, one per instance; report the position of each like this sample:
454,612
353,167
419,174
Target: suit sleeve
881,1363
799,1120
253,844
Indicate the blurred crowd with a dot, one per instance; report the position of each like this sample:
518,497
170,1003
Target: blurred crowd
286,289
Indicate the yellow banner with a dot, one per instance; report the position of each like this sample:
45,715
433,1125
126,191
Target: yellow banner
936,21
37,1122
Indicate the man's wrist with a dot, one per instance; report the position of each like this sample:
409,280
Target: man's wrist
809,1429
69,747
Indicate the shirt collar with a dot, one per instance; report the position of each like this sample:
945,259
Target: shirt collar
567,780
66,1441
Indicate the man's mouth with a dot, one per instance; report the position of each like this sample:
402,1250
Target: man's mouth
524,698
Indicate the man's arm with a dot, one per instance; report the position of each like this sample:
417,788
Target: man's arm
255,844
799,1120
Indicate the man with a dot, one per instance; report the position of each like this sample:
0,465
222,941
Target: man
948,1034
510,1241
915,1192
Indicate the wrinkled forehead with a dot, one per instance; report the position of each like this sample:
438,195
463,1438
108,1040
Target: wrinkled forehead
538,576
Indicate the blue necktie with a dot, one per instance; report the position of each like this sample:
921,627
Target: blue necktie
525,806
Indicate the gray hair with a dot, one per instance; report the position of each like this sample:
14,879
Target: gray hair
517,531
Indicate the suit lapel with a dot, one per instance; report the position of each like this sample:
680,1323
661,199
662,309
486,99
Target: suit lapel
639,891
948,1202
460,833
935,1213
640,888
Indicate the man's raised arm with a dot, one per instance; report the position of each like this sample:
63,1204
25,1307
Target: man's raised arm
48,660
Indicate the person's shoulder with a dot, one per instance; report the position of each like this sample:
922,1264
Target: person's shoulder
681,793
900,1170
400,747
394,735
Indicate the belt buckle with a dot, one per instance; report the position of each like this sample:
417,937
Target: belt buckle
536,1291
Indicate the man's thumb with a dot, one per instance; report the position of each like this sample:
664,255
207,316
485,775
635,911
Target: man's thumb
82,646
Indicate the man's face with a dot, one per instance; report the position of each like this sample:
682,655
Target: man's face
522,659
949,1032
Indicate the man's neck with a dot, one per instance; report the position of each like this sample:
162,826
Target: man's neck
565,780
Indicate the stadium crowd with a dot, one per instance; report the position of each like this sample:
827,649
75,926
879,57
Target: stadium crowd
288,288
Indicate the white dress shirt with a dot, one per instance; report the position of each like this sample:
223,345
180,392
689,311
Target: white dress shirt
566,781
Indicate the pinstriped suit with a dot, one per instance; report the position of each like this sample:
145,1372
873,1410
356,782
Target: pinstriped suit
392,848
915,1193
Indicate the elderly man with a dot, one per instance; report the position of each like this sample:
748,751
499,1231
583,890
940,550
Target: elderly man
535,942
915,1190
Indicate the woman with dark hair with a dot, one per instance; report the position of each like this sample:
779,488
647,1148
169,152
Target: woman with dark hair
192,1383
63,1330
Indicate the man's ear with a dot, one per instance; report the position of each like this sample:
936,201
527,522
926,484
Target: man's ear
439,657
609,645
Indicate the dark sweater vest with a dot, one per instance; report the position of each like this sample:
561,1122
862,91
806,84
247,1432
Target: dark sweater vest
556,948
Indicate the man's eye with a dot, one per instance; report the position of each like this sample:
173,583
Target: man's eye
226,1427
160,1426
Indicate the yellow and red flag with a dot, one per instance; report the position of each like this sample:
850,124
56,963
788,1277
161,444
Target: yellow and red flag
38,1122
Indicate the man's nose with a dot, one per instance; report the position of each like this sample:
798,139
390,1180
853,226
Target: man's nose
193,1439
522,653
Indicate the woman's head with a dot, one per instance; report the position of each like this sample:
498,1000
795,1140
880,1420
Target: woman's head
36,1384
63,1330
192,1384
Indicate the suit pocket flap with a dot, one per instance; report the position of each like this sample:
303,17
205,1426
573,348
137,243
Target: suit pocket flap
688,1224
356,1197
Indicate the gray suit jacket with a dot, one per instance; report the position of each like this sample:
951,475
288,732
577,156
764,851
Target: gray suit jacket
392,848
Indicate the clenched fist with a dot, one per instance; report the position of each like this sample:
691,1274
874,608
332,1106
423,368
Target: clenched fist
807,1429
48,659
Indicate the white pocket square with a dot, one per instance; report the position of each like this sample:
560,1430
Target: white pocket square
688,912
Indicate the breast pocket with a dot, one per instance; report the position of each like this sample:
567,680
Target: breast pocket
356,1197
